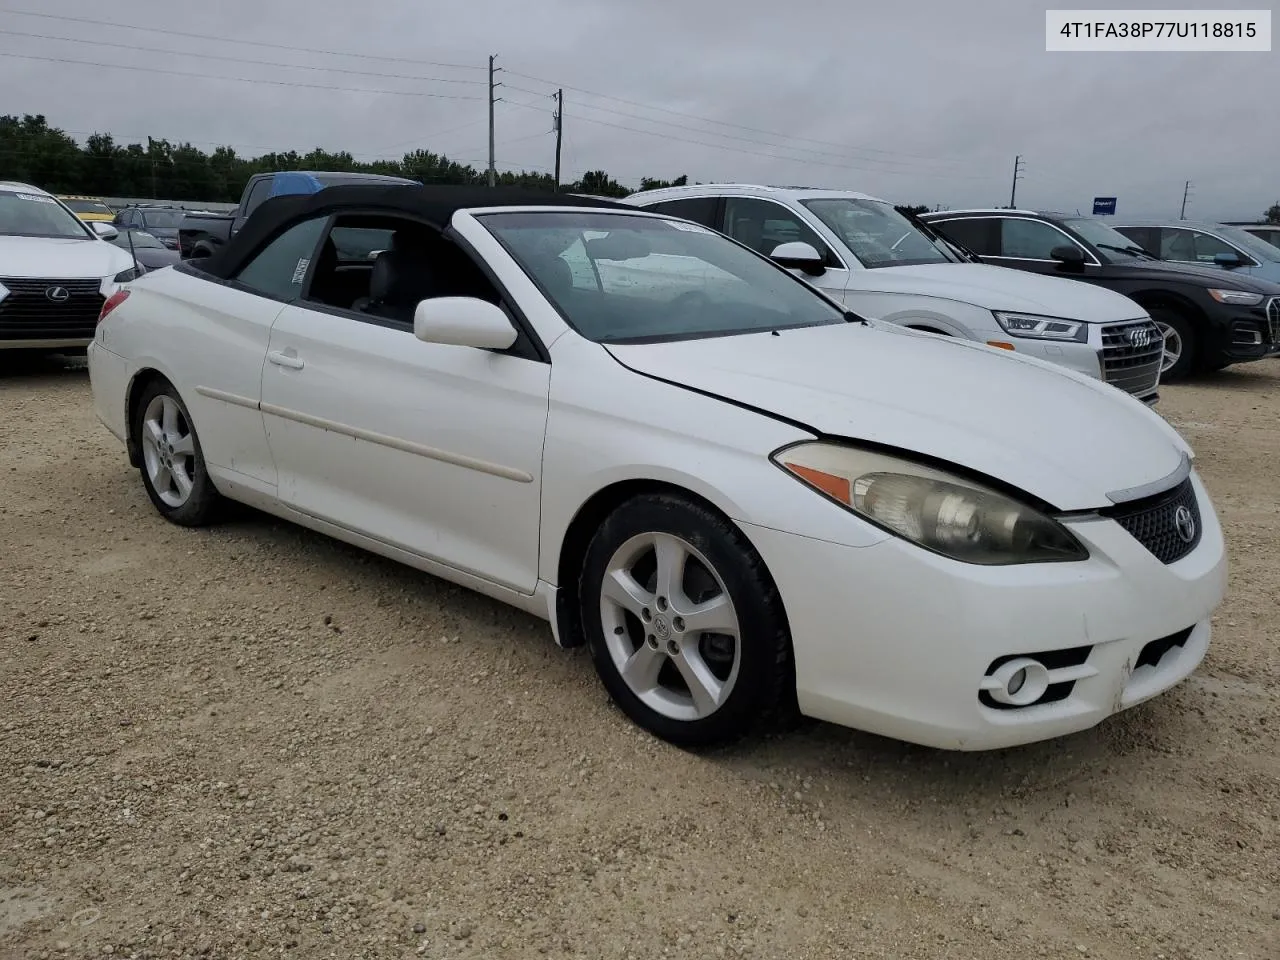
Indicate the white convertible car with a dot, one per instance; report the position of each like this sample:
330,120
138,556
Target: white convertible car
743,498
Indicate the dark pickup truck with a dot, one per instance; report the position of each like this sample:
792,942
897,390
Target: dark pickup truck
199,234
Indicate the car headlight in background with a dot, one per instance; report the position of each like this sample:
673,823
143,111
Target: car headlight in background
133,273
1242,298
1041,328
938,511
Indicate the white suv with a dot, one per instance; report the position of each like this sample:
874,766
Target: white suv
885,266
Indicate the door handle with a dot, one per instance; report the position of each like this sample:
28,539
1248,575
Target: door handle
284,360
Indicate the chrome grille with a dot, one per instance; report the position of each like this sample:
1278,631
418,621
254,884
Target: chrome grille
28,313
1132,354
1153,521
1273,319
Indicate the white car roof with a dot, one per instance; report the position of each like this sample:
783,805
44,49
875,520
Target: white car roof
748,190
13,186
969,211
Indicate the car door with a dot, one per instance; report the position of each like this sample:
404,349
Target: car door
1029,244
225,340
431,448
1187,245
763,225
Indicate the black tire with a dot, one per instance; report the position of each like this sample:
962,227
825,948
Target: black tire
1188,361
204,504
764,689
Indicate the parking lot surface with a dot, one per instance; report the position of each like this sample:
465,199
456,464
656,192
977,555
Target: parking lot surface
254,741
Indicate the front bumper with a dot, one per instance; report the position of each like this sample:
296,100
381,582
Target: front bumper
897,641
1249,333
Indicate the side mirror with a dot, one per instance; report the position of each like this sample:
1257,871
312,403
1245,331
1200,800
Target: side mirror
1068,254
463,322
798,255
104,230
1228,261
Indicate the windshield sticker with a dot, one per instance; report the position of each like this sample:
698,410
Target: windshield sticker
300,270
33,198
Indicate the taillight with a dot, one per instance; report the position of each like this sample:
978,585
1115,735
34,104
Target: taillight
113,301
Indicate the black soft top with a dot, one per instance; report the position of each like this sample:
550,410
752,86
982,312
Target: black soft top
434,204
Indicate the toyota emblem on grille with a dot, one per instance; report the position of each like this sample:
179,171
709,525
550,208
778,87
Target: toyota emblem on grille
1139,337
57,294
1185,523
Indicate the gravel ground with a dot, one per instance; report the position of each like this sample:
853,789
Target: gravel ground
253,741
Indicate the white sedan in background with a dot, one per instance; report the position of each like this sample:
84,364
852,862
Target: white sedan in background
742,497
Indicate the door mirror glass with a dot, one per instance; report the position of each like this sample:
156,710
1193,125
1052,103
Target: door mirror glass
463,322
104,230
1068,254
798,255
1227,260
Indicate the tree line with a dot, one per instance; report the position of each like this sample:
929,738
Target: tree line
33,152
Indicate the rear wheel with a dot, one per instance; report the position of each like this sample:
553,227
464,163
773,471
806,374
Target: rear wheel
173,468
684,622
1180,346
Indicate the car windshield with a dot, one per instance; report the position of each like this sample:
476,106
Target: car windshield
1252,244
619,278
37,215
877,234
164,219
1114,244
89,206
140,239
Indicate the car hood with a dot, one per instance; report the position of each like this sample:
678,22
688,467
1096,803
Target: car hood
1055,434
61,259
999,288
1189,273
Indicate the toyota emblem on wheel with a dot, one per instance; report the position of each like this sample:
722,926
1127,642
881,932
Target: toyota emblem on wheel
57,294
1185,523
1140,337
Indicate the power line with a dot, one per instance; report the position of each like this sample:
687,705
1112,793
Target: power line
722,146
215,56
723,123
853,163
254,80
254,43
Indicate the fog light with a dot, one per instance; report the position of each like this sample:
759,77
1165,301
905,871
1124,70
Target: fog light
1018,683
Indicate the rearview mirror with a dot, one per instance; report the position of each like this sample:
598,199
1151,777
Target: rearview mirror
798,255
463,322
619,245
104,230
1067,253
1227,260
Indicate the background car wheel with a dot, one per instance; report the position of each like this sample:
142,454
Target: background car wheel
684,622
173,468
1179,344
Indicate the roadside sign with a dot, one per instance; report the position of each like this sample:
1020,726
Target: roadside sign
1104,206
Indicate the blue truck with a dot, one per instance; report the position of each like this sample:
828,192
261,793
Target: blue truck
202,233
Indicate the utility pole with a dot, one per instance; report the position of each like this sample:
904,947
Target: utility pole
1017,175
1185,191
559,132
492,172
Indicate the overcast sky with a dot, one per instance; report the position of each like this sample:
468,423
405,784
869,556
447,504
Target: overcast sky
918,101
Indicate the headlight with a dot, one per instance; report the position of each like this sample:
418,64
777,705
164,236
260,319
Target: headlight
1041,328
938,511
133,273
1241,298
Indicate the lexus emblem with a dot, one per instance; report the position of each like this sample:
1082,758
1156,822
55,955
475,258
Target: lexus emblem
1185,523
57,294
1140,337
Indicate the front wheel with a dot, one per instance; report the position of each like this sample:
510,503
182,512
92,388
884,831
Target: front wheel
173,467
684,622
1179,344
